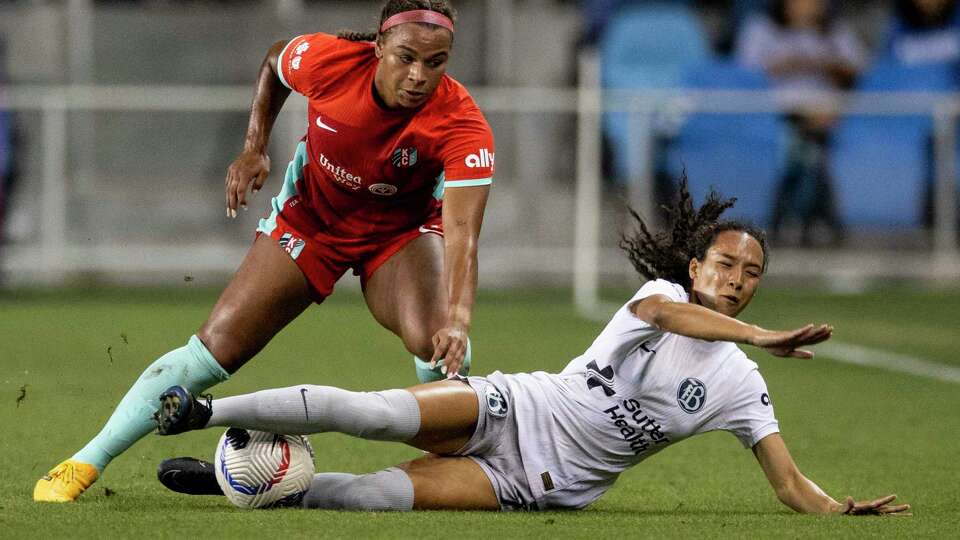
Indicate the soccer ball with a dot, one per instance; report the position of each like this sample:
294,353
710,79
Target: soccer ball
256,469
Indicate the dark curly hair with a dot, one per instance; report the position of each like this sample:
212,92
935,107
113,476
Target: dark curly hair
392,7
688,234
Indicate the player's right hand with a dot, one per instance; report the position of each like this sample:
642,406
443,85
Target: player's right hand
875,507
250,169
449,345
786,343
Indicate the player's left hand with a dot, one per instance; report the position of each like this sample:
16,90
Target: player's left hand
449,345
876,507
787,343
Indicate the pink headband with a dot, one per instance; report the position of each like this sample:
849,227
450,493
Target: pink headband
417,16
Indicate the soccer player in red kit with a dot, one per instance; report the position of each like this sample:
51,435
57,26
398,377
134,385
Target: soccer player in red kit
391,181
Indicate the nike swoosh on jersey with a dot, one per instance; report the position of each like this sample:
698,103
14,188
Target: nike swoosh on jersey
321,125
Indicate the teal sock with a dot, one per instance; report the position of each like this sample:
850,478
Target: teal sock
191,366
425,374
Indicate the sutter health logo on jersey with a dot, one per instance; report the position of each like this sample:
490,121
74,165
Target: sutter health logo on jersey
637,427
483,158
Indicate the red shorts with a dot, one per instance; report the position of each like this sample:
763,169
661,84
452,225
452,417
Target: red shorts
324,258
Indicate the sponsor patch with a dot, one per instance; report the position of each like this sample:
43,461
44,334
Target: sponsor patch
495,402
341,175
636,426
384,190
483,158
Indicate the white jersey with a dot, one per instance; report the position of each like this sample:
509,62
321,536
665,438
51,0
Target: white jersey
634,392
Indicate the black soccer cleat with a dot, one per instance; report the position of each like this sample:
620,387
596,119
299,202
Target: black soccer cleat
189,475
180,411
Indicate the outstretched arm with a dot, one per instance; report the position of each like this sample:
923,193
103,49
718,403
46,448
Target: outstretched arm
801,494
463,209
252,167
698,322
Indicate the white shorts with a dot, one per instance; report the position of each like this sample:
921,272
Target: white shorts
496,446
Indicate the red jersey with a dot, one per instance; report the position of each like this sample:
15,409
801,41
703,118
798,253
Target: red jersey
373,171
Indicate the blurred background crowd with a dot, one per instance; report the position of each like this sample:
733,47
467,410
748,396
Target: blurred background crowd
827,171
758,98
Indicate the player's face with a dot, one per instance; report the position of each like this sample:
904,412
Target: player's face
728,276
413,59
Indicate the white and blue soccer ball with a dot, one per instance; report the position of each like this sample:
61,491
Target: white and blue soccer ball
256,469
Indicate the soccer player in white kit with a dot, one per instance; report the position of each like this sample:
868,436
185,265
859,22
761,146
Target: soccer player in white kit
665,368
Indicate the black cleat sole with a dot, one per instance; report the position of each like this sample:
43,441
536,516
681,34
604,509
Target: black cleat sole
189,475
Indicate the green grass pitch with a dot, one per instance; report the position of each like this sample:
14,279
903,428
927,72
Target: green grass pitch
66,358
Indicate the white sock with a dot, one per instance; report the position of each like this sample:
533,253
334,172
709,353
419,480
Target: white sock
391,415
387,490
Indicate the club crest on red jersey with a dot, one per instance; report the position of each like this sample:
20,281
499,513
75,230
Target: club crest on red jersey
292,245
404,157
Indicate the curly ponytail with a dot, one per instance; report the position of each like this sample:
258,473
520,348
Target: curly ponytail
688,235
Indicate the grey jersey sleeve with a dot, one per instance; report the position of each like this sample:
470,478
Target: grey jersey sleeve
749,414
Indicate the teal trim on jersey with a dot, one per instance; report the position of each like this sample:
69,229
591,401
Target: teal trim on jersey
280,59
442,184
469,183
438,190
289,189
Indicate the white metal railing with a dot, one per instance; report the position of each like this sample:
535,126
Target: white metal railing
588,103
941,265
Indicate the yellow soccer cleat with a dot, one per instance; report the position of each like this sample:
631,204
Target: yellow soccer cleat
65,482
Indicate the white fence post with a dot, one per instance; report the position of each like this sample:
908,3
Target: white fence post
945,189
586,243
53,193
641,160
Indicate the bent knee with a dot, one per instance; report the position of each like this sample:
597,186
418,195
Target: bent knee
419,340
229,349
